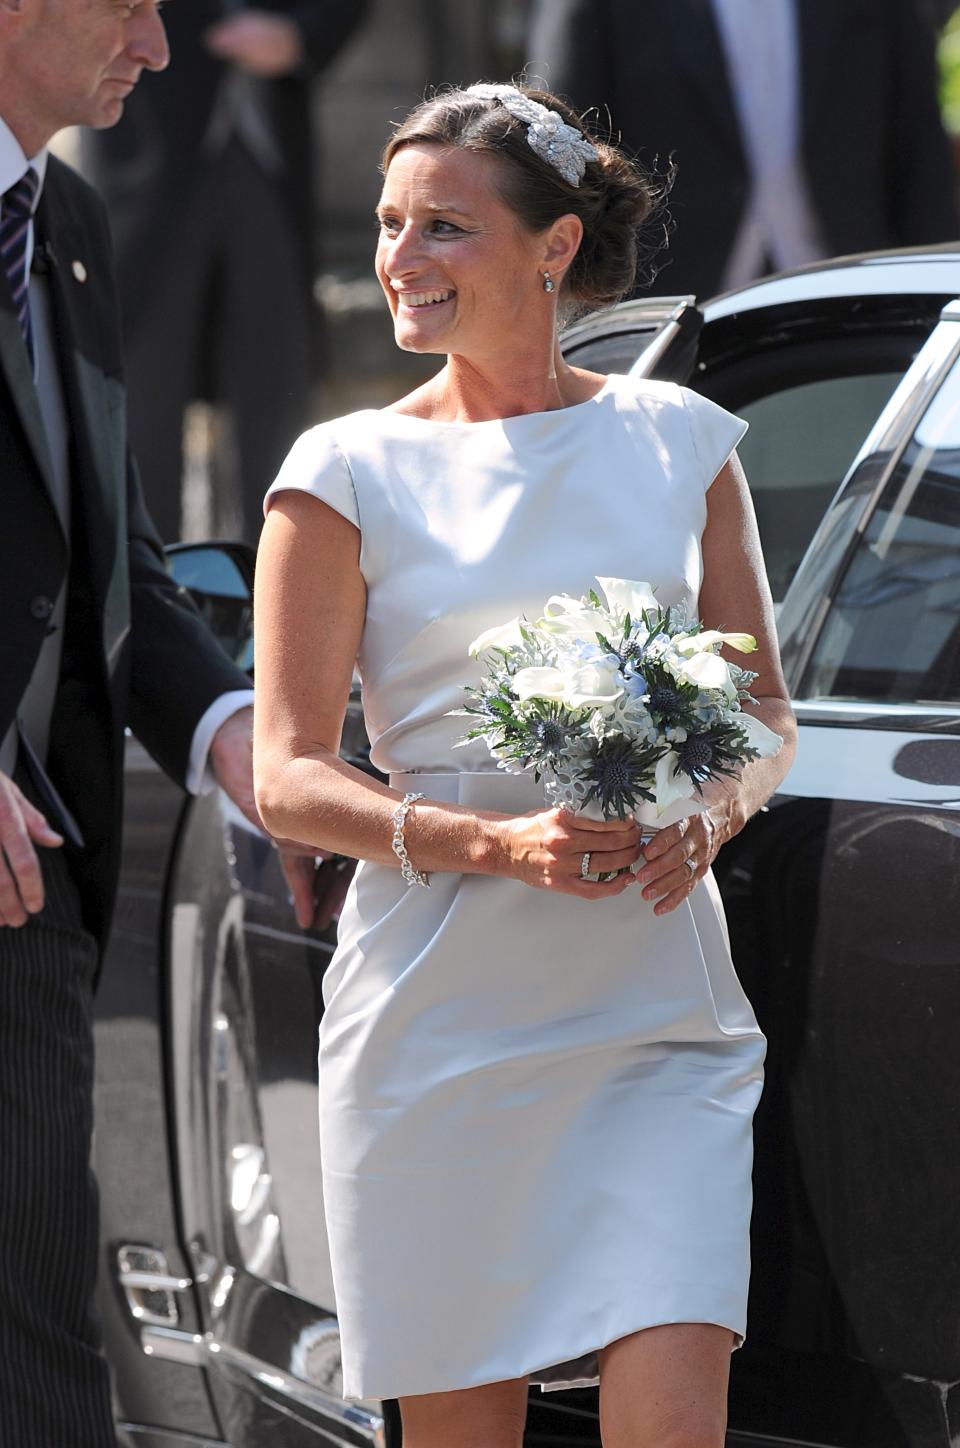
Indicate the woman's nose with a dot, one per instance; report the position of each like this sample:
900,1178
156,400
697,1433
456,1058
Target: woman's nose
402,252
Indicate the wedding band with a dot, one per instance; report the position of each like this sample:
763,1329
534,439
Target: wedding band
691,865
585,865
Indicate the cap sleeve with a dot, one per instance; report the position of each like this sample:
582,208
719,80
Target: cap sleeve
315,464
715,432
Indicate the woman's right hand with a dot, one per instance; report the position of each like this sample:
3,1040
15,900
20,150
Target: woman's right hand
545,848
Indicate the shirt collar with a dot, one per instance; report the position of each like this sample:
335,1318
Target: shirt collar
13,163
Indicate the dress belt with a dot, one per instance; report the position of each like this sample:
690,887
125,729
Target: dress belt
483,789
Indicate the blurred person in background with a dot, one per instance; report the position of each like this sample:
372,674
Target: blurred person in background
209,186
800,128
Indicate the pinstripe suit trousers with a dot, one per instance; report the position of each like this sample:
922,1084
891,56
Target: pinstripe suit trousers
54,1384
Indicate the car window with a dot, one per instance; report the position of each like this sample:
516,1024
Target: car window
892,634
801,442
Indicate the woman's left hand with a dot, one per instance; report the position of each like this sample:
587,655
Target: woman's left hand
679,855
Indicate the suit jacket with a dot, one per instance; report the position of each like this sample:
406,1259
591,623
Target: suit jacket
876,156
150,166
143,656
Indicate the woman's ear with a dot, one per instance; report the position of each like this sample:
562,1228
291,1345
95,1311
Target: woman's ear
561,244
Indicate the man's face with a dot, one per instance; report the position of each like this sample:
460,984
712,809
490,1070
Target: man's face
80,59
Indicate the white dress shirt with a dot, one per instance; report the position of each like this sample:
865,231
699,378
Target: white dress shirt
779,226
37,704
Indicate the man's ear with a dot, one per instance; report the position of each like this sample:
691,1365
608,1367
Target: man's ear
561,244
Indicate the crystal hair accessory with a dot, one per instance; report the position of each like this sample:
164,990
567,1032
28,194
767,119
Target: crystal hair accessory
563,147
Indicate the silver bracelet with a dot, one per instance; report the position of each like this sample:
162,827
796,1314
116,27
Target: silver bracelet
408,870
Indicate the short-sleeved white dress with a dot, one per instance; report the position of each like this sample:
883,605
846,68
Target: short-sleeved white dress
535,1111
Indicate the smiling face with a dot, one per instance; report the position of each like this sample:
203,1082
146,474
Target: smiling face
460,273
74,62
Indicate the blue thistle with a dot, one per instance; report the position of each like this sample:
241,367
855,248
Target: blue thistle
550,734
620,772
718,750
666,702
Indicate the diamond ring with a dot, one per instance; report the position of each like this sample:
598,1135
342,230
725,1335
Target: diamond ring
691,865
585,865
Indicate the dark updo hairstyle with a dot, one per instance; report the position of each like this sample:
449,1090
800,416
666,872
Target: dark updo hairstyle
620,204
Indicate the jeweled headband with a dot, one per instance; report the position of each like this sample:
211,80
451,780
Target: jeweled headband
562,146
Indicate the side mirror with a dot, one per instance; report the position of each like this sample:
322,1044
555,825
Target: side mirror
219,579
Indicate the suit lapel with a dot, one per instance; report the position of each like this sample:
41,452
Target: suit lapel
697,52
15,365
91,397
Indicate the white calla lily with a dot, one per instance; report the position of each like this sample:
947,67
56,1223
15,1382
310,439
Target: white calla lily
539,683
707,671
502,636
766,742
570,617
592,683
670,786
744,643
625,595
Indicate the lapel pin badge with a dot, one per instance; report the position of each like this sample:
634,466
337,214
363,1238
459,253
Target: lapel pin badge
79,270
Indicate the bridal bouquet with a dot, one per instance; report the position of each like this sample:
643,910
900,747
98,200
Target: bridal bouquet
622,706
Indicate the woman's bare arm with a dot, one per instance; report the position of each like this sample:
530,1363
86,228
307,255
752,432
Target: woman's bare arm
309,614
735,597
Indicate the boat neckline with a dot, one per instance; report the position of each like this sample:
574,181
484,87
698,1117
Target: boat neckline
502,421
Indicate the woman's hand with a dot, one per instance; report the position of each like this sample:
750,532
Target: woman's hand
546,848
667,877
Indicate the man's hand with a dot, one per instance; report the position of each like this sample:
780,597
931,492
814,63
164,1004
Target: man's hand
317,880
258,41
318,884
22,826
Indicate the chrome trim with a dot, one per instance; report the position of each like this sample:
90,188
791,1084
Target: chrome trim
368,1424
204,1351
173,1346
845,712
148,1285
650,357
902,273
641,314
155,1282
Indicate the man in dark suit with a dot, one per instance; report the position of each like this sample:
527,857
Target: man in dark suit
799,128
208,181
94,635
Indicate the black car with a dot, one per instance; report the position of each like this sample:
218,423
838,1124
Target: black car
843,899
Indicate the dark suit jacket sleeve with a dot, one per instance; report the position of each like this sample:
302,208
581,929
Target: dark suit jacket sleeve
922,180
177,667
326,26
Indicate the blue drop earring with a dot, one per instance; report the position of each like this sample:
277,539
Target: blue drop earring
548,285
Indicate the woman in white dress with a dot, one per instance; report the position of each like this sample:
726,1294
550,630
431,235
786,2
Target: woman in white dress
536,1089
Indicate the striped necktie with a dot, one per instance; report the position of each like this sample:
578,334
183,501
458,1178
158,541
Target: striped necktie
18,204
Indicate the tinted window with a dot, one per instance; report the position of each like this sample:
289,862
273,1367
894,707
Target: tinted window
893,630
801,442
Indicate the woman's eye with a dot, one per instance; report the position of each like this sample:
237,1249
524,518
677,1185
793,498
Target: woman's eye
445,227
